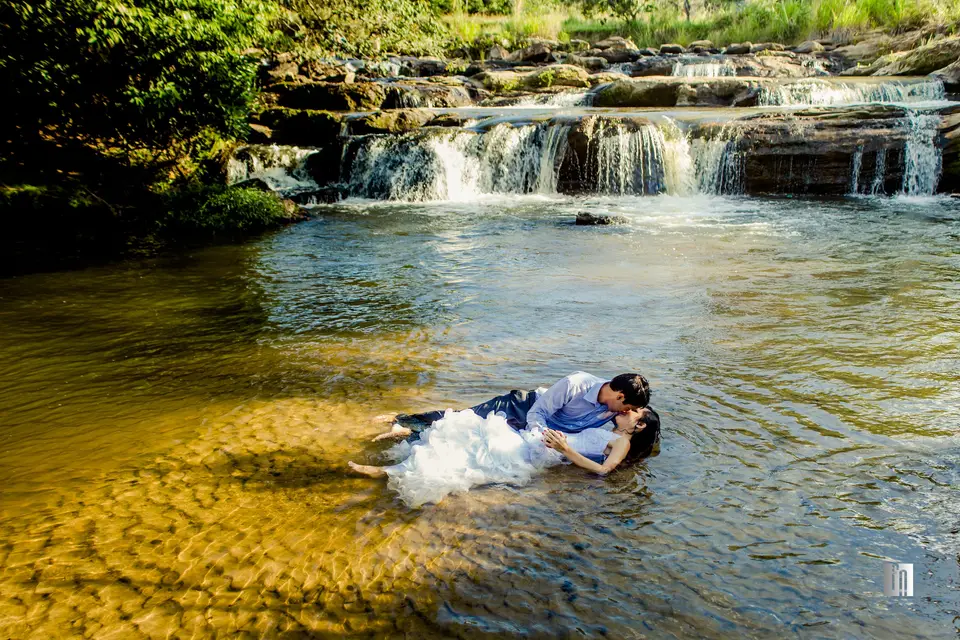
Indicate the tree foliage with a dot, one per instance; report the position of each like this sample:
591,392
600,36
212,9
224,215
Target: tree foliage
370,29
131,73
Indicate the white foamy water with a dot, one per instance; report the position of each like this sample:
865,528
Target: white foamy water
703,70
819,92
564,99
281,167
459,164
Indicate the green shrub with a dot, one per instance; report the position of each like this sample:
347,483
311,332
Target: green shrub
214,210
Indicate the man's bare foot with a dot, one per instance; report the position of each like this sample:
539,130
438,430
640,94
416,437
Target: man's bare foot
395,433
367,470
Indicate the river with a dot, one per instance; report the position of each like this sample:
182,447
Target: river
175,431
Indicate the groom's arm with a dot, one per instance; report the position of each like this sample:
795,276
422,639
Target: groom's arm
551,401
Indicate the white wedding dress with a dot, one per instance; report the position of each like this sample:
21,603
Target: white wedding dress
463,450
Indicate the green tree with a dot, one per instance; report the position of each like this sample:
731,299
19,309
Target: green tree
134,74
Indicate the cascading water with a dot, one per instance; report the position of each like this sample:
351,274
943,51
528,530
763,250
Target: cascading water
563,99
922,158
282,168
718,162
459,164
629,161
703,70
817,92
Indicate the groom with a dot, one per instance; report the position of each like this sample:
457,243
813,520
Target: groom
577,402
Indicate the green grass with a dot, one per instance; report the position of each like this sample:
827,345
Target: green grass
786,21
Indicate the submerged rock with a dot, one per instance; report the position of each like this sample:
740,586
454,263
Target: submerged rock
589,219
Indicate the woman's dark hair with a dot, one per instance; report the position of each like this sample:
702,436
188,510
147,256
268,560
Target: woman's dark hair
634,387
643,440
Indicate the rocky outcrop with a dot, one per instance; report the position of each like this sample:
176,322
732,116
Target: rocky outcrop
809,46
330,96
392,121
738,48
672,92
593,220
560,75
950,143
922,60
811,151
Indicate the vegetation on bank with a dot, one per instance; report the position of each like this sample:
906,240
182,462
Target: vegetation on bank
650,24
122,111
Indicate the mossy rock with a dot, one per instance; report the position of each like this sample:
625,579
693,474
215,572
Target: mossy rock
304,127
329,96
499,81
558,75
392,121
624,93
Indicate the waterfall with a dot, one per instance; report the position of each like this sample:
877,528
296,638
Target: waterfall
563,99
818,92
703,69
282,168
718,162
879,173
458,164
922,158
855,170
629,160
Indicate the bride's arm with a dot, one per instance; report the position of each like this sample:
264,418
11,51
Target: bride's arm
618,451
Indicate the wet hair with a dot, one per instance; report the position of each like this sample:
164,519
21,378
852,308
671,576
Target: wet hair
643,440
634,387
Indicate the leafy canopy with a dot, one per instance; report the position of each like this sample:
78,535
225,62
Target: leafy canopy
131,73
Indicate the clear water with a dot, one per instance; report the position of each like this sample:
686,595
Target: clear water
175,432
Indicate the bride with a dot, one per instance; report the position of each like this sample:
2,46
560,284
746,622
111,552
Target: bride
462,450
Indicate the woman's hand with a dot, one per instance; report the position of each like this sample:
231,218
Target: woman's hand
556,440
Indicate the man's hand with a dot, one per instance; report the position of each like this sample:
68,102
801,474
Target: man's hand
396,433
556,441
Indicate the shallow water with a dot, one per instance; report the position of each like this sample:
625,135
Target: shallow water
174,432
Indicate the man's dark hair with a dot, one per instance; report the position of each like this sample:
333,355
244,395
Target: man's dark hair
643,440
634,387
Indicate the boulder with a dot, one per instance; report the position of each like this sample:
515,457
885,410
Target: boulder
701,44
557,75
282,72
430,66
656,66
577,45
618,56
648,52
330,96
922,60
950,76
739,48
303,127
670,92
392,121
496,52
766,46
413,94
810,46
590,219
605,77
590,63
671,48
321,71
950,135
615,42
537,51
864,51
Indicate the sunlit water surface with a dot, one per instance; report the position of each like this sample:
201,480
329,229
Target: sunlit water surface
174,433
